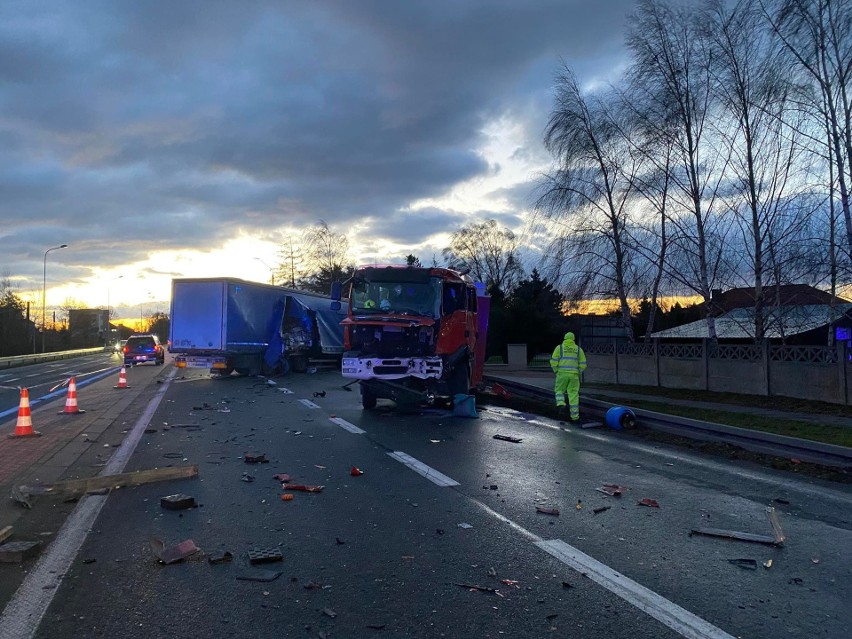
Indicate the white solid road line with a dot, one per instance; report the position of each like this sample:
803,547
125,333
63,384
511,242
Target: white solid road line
308,403
352,428
422,469
23,614
670,614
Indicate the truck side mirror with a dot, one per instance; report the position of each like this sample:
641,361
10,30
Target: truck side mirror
335,292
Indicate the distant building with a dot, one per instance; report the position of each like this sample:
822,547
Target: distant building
793,314
88,327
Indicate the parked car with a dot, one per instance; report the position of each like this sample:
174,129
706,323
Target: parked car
143,348
119,346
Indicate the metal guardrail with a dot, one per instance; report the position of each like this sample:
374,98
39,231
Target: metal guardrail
21,360
752,440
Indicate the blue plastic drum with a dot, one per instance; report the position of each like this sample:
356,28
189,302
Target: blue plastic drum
619,417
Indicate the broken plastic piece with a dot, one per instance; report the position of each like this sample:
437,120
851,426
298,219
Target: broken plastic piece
175,553
287,497
319,394
651,503
745,564
220,557
547,511
328,612
355,472
251,458
264,555
464,526
500,391
613,490
509,438
281,477
767,564
178,501
260,575
303,488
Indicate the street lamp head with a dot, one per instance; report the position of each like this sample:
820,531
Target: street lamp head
63,246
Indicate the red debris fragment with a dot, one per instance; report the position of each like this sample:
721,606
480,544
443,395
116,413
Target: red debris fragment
649,502
303,488
500,391
356,471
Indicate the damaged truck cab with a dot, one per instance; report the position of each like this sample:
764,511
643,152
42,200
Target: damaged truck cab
412,334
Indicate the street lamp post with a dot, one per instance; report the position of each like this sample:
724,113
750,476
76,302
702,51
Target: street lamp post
44,293
109,324
271,271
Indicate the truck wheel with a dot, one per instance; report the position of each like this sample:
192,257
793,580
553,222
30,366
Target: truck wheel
368,398
299,363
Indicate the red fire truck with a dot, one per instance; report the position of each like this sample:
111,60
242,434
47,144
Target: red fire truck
413,334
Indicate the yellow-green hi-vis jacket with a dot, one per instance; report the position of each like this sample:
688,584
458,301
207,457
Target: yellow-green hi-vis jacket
568,361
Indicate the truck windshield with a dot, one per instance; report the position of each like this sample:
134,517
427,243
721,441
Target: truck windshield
403,298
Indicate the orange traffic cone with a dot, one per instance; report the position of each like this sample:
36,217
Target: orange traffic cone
24,426
122,379
71,401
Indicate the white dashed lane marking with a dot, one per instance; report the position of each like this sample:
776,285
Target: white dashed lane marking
422,469
352,428
308,403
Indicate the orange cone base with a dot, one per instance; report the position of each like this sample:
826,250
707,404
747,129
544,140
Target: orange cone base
74,411
35,433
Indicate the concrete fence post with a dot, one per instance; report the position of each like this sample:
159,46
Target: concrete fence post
705,357
615,357
764,362
656,347
842,372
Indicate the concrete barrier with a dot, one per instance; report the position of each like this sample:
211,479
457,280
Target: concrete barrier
22,360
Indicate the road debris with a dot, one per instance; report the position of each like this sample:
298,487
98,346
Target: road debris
356,472
776,539
510,582
14,552
376,626
319,393
795,581
745,564
251,458
509,438
221,557
264,555
598,511
613,490
23,494
464,526
579,505
767,564
287,497
282,477
473,587
172,554
247,478
5,533
178,501
567,585
547,511
259,575
303,488
651,503
339,541
501,392
328,612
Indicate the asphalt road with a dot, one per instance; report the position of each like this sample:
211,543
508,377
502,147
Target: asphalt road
381,554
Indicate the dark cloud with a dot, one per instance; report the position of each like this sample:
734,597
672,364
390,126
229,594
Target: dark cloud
181,124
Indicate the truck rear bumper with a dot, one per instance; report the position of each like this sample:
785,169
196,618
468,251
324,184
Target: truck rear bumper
392,368
195,361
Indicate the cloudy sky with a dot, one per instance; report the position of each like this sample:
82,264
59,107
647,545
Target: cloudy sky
162,139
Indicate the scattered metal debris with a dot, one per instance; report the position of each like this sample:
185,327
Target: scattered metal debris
745,564
264,555
613,490
177,501
598,511
303,488
547,511
175,553
221,557
651,503
509,438
259,575
14,552
473,587
776,539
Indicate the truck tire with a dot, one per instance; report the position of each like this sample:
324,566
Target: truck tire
299,363
368,398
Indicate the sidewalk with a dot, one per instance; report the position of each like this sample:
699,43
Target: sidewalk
544,380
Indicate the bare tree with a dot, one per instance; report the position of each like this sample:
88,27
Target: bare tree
587,194
762,136
326,256
818,34
671,73
489,252
291,265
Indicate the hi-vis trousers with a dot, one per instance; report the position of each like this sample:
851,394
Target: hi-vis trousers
568,383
